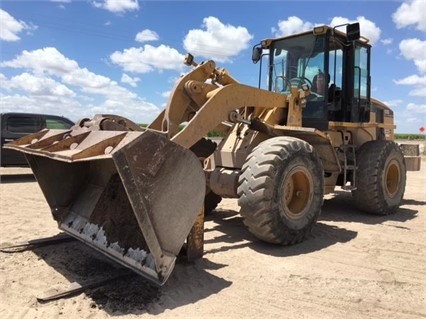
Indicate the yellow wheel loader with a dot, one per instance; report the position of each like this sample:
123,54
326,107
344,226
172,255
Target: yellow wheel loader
138,195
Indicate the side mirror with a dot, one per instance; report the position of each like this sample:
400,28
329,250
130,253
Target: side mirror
256,54
352,32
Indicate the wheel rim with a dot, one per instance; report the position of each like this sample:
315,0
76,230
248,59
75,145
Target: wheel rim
297,192
392,178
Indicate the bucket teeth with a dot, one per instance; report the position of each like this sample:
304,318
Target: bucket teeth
138,259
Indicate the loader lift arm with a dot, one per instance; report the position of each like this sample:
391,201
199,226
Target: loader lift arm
208,96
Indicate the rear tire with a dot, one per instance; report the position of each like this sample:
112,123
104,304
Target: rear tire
281,190
380,177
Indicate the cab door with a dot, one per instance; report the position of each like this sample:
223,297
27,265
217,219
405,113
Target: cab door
361,84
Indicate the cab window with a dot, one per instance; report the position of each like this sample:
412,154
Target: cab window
23,124
52,123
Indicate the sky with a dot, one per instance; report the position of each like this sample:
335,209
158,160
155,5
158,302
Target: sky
78,58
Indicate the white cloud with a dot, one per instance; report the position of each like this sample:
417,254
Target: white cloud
217,41
291,26
411,12
24,103
38,86
129,80
412,80
61,3
86,79
47,60
418,91
146,35
148,58
10,27
166,94
117,6
56,84
387,41
416,108
414,49
419,83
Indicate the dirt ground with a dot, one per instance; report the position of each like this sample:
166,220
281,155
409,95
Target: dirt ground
353,265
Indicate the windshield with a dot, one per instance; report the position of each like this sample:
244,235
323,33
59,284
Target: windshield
297,61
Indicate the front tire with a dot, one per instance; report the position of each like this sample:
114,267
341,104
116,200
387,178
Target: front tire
281,190
380,177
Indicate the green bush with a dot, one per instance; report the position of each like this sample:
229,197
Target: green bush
215,134
409,137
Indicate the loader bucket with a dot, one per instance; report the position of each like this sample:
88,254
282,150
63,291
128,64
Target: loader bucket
133,196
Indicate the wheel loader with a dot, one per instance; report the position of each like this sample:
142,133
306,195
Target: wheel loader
138,195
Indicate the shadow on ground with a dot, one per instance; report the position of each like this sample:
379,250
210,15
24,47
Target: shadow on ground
235,235
341,207
131,294
336,208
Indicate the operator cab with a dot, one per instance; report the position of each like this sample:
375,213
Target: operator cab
335,66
